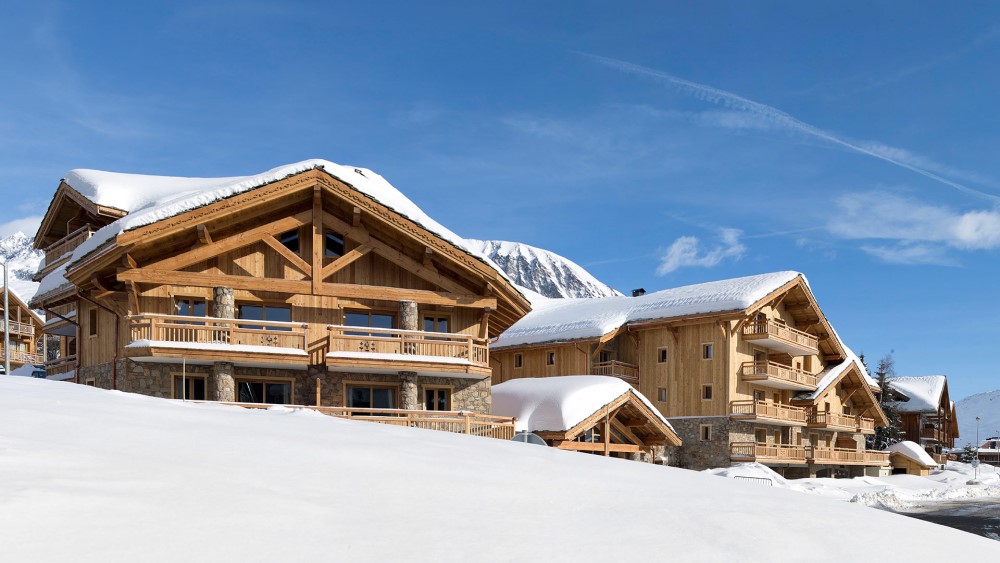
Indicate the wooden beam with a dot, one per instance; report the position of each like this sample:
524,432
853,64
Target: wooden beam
233,242
343,261
428,253
204,237
625,431
356,217
133,296
484,323
168,277
356,233
287,254
411,265
128,261
597,447
357,291
317,238
97,283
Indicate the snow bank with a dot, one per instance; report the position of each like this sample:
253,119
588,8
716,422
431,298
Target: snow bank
924,392
558,403
572,319
913,451
108,476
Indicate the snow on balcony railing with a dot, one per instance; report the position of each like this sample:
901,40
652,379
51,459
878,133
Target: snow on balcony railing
445,345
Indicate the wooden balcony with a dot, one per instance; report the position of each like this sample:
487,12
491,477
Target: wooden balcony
20,357
211,339
622,370
767,453
932,434
841,422
845,456
459,422
57,252
60,365
16,328
941,459
376,350
778,376
770,413
777,336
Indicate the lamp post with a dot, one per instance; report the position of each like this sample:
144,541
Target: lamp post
975,462
6,323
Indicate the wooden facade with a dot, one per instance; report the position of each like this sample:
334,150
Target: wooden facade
27,346
934,427
304,289
750,377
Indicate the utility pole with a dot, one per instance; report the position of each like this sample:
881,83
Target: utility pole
6,322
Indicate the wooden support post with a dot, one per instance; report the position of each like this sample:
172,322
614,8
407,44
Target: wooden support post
606,434
468,424
317,240
319,385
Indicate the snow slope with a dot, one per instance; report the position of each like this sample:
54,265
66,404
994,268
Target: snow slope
23,260
542,271
984,405
91,475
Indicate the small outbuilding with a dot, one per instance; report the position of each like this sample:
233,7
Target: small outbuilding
587,413
910,458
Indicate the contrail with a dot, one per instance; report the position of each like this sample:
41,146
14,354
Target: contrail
737,102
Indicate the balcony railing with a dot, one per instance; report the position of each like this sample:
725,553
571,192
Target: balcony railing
766,411
445,345
752,451
22,357
460,422
781,336
60,365
65,245
218,331
932,433
23,329
848,456
839,421
777,375
628,372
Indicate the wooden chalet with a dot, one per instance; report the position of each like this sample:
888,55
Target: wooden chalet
926,411
592,414
747,369
25,332
312,284
909,458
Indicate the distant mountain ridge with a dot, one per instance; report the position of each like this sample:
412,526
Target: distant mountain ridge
542,271
23,261
984,405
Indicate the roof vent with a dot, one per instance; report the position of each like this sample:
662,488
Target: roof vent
638,292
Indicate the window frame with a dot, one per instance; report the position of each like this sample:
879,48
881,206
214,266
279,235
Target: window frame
265,380
663,355
298,240
177,378
550,358
708,351
518,361
437,389
264,305
346,386
707,396
92,321
705,432
436,317
661,395
327,234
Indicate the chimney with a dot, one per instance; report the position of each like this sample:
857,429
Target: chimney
638,292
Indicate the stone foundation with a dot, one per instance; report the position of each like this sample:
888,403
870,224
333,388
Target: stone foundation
698,455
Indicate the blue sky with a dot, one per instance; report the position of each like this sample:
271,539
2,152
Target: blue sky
656,144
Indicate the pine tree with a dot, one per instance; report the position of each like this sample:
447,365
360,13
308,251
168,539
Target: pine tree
886,436
968,453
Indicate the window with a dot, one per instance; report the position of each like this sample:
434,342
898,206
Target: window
371,397
437,323
291,241
518,361
758,396
661,355
604,357
190,307
550,358
264,313
759,356
705,431
333,244
369,319
760,435
258,391
437,399
192,388
92,324
70,345
661,394
707,351
706,392
90,382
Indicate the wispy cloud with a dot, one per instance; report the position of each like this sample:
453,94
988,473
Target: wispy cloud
783,120
916,232
688,251
26,225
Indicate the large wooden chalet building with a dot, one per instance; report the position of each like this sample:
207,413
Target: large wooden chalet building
926,412
25,333
747,369
312,283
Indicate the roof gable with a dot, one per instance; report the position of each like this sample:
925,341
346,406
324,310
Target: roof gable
925,393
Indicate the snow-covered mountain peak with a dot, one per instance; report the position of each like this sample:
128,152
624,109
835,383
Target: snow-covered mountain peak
542,271
984,405
23,261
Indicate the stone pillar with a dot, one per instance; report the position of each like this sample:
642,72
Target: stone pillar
223,303
221,386
409,319
409,398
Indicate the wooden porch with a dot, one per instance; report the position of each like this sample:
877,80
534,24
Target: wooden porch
778,336
621,370
778,376
767,453
768,412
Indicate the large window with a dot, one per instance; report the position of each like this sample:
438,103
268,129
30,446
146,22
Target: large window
437,399
437,323
371,396
369,319
192,388
190,307
333,244
270,392
291,240
264,313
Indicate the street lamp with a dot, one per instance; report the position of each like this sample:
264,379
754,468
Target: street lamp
975,462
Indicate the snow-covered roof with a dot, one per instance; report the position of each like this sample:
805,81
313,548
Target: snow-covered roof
924,391
558,404
832,372
913,451
150,199
558,320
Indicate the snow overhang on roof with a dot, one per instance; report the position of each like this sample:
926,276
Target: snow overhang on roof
560,320
924,392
